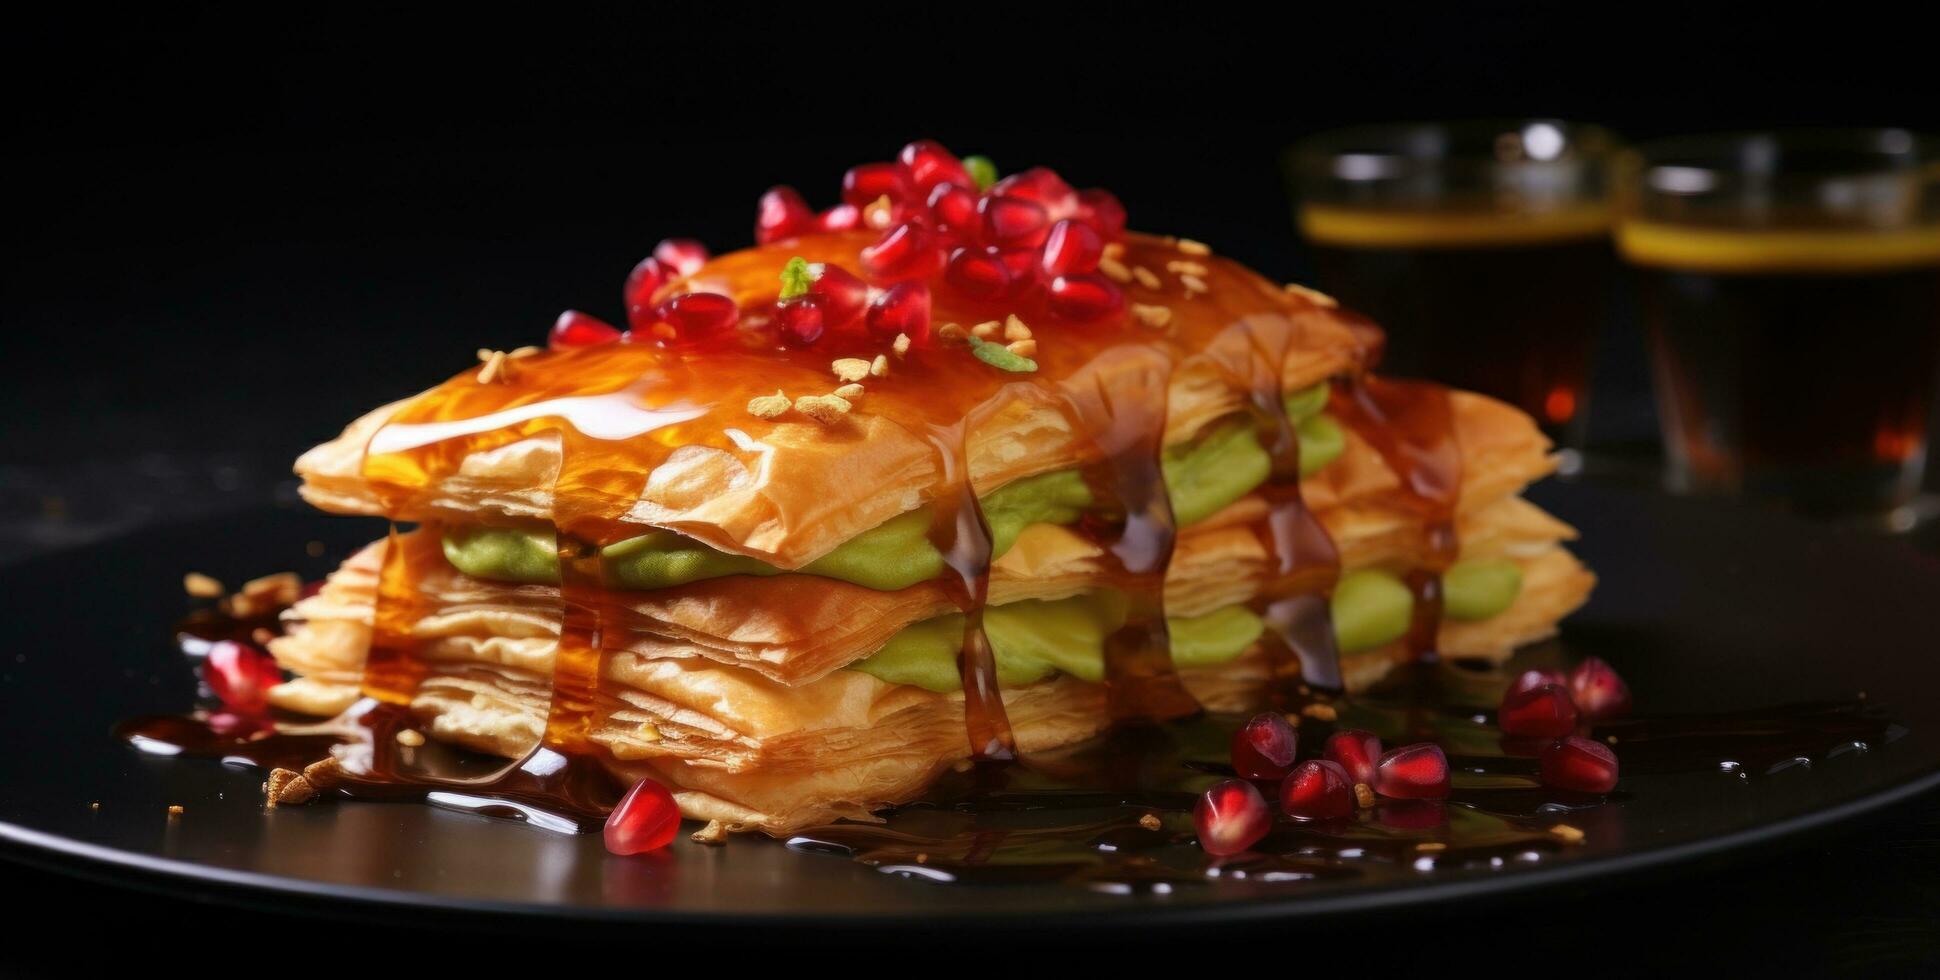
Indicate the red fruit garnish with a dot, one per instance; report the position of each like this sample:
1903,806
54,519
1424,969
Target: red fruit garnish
1100,208
576,329
1071,248
646,820
903,308
240,676
801,320
642,284
1043,185
1231,817
684,255
843,295
978,274
842,217
863,184
1022,263
699,314
1600,694
1583,765
928,164
1263,748
1546,711
1085,297
1355,751
1013,222
781,214
1536,677
1317,789
906,251
954,210
1413,772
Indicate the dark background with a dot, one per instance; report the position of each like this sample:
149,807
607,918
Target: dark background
228,235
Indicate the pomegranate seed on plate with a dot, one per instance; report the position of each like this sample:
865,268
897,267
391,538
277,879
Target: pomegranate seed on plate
1100,209
1263,748
684,255
863,184
801,319
1356,751
576,329
907,251
1413,772
781,214
699,314
1317,789
929,165
1545,711
1231,817
645,820
1085,297
1536,677
842,217
977,274
1583,765
1600,694
240,676
903,308
1072,247
642,284
1013,222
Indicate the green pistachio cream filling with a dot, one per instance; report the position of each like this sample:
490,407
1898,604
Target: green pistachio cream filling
1033,639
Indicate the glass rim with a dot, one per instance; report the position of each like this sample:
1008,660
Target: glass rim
1694,163
1372,152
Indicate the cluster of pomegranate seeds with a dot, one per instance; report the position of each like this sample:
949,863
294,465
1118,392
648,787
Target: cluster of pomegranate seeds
1412,772
646,819
1317,789
240,676
1231,817
1549,704
1263,748
1583,765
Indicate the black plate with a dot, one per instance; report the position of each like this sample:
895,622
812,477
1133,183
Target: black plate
1703,609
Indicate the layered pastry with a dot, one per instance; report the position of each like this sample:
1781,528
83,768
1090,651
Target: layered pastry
957,469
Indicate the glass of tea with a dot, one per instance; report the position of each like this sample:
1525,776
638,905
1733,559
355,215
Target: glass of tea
1790,287
1482,247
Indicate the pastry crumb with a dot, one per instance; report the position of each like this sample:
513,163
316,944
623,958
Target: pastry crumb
713,835
880,366
769,406
1321,712
1150,821
202,586
1363,796
95,806
1568,834
287,786
410,737
826,409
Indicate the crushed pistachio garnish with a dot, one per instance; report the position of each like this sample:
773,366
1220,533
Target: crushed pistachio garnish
796,278
769,406
1194,284
1156,317
981,169
1146,277
851,391
1363,796
1314,296
1022,348
901,346
1323,712
850,368
201,586
1568,833
494,368
879,367
1180,267
1014,329
1191,247
826,409
1001,357
1114,269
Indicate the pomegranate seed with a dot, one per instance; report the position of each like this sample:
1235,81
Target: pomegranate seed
1356,751
1100,209
1231,817
907,251
954,209
842,217
576,329
685,255
1583,765
1013,222
862,185
1317,789
1085,297
1534,678
1071,248
1546,711
1042,185
699,314
802,319
903,308
781,214
642,284
843,295
929,165
1600,694
1263,747
646,820
1413,772
240,676
978,275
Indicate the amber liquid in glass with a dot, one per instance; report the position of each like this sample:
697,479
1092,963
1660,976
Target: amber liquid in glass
1502,304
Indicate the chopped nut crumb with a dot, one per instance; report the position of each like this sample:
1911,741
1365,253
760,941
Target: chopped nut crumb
1191,247
1114,250
494,367
648,732
851,391
826,409
410,737
901,346
1194,284
878,212
1156,317
986,330
281,588
526,351
1022,348
1150,821
713,835
1014,329
287,786
1363,796
201,586
1180,267
769,406
175,810
1114,269
1322,712
1569,834
850,368
880,366
1314,296
1146,277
